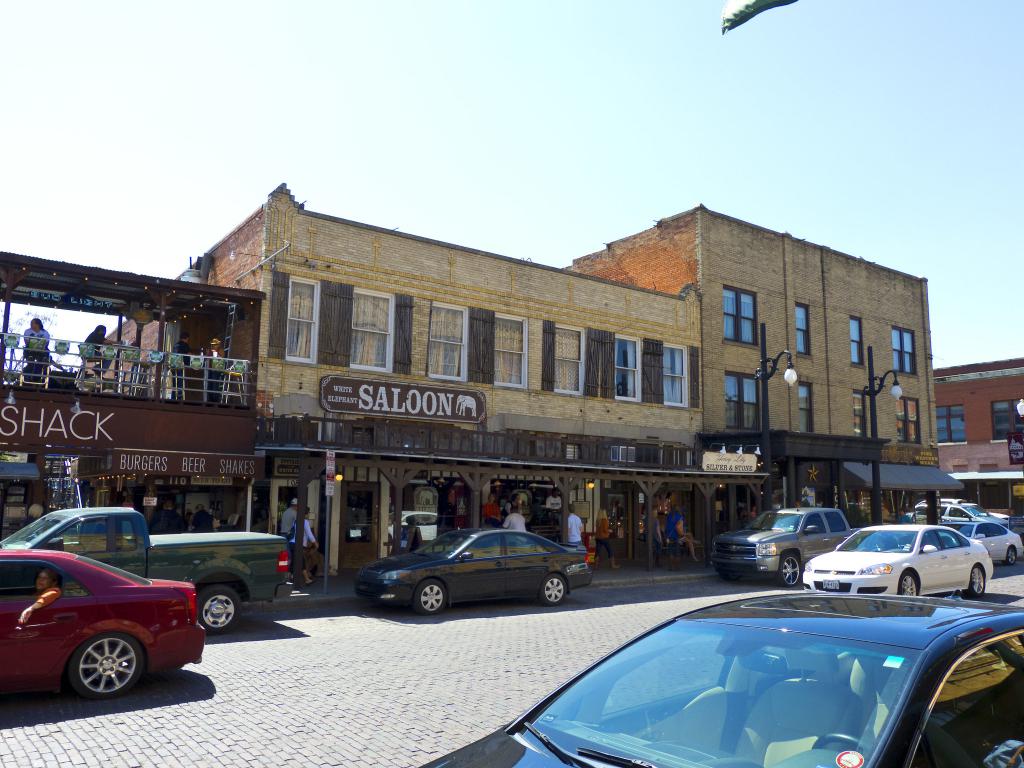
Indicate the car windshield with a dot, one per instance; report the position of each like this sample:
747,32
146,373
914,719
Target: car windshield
446,543
973,510
23,539
665,698
880,541
776,521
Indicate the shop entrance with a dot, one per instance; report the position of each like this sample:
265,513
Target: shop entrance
360,508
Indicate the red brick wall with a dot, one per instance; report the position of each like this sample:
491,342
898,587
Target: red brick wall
663,258
976,396
246,241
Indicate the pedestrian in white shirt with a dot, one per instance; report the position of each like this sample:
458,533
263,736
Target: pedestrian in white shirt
515,520
575,527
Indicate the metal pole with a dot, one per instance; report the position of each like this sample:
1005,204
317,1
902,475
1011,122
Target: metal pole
248,506
325,545
766,442
876,469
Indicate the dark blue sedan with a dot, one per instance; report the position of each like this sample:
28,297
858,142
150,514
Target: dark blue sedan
795,681
475,565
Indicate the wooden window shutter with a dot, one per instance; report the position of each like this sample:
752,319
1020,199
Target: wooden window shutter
402,356
607,365
430,321
334,340
693,371
600,364
593,364
278,315
547,357
652,372
481,346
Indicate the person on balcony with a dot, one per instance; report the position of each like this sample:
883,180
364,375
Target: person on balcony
37,352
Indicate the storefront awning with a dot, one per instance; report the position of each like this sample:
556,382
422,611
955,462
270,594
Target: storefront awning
16,470
999,475
900,477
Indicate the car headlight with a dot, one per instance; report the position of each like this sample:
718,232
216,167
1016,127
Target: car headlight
391,575
875,570
767,550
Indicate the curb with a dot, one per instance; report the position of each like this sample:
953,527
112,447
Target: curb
306,600
637,581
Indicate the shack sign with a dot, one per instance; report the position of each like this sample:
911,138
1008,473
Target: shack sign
1015,443
734,463
370,397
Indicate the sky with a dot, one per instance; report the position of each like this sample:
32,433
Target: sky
135,135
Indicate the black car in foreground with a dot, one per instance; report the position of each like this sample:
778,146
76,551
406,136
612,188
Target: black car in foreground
472,564
794,681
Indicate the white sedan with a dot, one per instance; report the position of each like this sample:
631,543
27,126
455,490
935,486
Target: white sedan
1003,545
904,560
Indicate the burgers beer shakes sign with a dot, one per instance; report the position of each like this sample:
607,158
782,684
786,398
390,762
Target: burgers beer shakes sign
368,397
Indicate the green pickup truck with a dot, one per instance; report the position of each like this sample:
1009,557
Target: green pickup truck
226,568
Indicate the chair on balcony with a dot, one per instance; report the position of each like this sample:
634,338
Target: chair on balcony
233,387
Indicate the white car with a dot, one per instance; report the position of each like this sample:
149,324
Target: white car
903,560
1003,545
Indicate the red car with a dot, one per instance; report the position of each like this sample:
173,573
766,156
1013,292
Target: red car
105,630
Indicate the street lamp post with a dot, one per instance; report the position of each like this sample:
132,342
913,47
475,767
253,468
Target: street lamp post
767,369
875,385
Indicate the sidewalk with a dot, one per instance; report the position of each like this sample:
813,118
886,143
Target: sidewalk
340,588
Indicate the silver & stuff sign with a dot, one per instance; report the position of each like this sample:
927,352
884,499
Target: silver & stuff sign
370,397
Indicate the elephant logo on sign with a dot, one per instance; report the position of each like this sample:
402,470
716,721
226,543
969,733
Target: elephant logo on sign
465,405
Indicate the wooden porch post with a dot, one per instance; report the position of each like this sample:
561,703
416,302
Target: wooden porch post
398,477
565,484
649,487
309,470
475,479
707,490
11,279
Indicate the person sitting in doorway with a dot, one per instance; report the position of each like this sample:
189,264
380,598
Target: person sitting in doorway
167,519
47,591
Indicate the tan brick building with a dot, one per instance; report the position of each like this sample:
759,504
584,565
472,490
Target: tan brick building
573,389
827,308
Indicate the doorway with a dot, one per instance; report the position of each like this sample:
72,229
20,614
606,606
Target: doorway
359,515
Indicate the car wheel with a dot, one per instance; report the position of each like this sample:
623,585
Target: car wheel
218,608
1011,555
728,576
553,590
430,597
909,585
790,569
106,666
976,586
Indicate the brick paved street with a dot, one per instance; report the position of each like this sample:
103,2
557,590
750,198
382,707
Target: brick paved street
354,685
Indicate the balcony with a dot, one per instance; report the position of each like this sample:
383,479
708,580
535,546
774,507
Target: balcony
127,372
398,438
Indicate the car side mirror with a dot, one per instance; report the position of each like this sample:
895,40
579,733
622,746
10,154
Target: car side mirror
927,549
812,529
55,544
462,556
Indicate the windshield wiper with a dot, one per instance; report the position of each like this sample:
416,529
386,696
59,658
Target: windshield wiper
565,757
607,757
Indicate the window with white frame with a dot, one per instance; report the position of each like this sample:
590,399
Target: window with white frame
303,309
568,361
510,351
674,368
371,331
625,369
446,350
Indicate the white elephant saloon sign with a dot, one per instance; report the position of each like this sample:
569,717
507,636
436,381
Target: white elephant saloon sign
371,397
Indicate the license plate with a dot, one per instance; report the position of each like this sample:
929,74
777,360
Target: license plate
831,584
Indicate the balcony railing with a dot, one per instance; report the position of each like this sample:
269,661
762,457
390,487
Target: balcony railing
404,438
125,371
